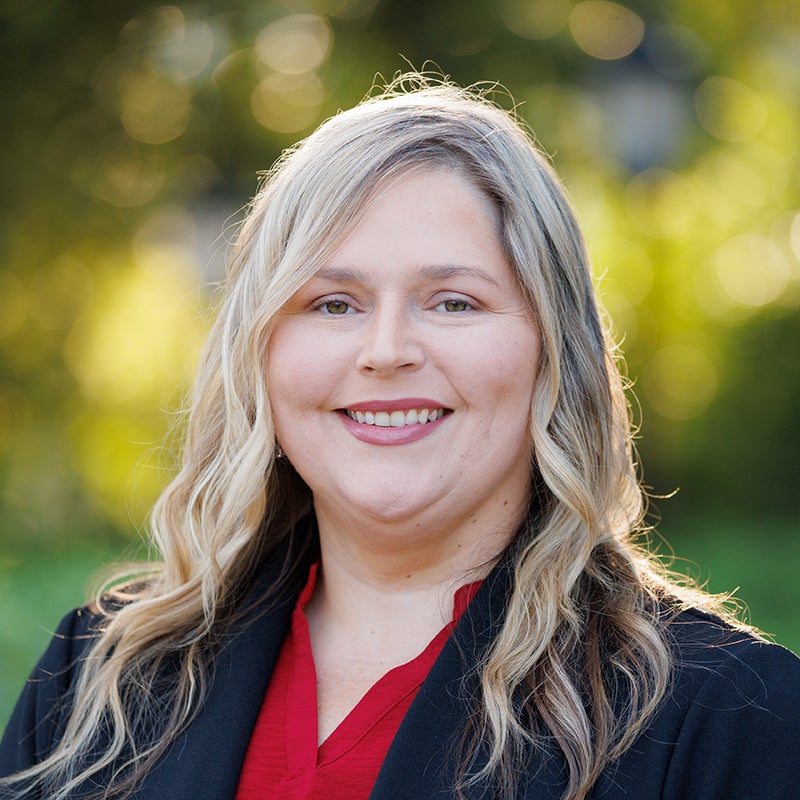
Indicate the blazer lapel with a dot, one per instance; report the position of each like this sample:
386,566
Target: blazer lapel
204,763
423,759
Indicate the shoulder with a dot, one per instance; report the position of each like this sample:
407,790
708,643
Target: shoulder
41,709
70,642
729,726
732,670
740,728
710,654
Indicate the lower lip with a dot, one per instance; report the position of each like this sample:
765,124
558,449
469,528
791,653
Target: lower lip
375,434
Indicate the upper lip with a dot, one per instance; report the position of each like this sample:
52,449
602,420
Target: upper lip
399,404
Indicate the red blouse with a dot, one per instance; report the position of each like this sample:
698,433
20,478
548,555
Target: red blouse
283,760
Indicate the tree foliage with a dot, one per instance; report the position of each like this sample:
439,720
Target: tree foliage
134,133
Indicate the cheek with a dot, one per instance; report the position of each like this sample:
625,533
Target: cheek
514,364
300,370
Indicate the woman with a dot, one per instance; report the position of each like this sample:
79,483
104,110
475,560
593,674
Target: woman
399,558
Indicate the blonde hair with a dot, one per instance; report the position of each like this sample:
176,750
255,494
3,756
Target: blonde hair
584,611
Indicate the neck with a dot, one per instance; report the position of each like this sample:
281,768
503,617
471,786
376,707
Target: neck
376,574
419,552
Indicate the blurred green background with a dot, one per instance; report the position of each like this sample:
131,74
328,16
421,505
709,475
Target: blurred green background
133,134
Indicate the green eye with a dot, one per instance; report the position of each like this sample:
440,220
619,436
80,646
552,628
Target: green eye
337,307
455,305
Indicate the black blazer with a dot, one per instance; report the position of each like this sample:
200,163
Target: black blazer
728,730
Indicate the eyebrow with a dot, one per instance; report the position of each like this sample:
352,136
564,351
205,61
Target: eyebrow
429,272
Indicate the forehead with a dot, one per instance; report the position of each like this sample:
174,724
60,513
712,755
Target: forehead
425,209
424,227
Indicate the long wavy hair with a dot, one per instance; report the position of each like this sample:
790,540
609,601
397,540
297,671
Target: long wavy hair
584,614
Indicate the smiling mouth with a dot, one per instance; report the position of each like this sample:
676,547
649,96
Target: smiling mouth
396,419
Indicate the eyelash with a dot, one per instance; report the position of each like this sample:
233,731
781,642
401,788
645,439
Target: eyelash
467,305
321,307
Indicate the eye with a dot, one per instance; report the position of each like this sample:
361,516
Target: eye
453,305
335,308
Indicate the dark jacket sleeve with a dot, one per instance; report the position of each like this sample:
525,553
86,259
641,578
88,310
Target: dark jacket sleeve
728,728
205,760
38,718
740,736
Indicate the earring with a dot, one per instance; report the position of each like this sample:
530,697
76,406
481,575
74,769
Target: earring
278,450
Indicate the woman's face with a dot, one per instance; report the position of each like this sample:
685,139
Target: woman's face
401,375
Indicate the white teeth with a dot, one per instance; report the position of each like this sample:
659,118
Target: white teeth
396,419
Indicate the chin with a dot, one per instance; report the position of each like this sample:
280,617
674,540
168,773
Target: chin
392,510
384,506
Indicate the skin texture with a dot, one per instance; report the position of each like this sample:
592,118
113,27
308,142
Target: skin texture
417,308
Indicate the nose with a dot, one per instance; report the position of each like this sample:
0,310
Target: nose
391,342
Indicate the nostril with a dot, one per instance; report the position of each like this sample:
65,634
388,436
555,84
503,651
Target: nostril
390,359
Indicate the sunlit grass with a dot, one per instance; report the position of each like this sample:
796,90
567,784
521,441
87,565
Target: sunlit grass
758,559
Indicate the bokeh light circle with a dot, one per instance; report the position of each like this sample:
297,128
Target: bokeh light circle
680,381
729,110
752,269
605,30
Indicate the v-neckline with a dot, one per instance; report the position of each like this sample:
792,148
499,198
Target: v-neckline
391,689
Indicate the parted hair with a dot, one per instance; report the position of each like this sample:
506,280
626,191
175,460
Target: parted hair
586,614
